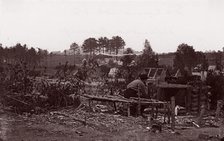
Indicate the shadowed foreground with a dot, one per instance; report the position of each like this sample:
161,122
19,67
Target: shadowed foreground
99,126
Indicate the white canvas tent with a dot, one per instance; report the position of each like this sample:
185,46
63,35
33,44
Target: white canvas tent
113,72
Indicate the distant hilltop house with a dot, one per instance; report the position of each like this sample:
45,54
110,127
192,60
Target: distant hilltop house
57,52
65,52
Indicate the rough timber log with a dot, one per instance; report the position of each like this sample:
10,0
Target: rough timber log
128,102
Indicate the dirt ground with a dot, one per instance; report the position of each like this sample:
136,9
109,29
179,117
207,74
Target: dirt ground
64,125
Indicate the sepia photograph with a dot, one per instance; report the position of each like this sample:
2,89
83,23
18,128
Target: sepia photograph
111,70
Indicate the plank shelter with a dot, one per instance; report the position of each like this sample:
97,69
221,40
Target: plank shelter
182,94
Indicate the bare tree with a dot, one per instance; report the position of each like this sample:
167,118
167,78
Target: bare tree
74,47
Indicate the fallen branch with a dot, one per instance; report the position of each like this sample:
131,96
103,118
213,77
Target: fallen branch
18,100
111,99
195,124
65,115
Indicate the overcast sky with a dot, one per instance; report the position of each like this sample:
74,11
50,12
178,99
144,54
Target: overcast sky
55,24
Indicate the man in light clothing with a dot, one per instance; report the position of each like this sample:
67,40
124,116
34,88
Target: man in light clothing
137,88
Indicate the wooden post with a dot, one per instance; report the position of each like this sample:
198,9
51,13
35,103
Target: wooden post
85,121
202,112
173,113
159,95
199,98
153,112
165,113
90,106
149,92
188,108
129,109
115,107
218,109
157,110
139,103
169,112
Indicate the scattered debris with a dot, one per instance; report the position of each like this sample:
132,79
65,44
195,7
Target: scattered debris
156,128
206,137
195,124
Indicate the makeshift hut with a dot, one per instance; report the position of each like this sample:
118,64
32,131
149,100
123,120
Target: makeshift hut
182,94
